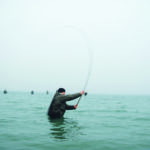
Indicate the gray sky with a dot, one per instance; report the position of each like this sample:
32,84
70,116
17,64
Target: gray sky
38,51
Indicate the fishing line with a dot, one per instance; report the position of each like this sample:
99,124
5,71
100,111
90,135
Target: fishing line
90,55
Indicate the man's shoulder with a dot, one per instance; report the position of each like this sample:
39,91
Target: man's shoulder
59,96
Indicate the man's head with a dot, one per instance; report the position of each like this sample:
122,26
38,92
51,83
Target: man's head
62,91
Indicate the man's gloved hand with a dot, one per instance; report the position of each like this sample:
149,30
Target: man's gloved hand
75,106
82,92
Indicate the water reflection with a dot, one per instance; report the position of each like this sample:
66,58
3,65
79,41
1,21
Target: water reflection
63,129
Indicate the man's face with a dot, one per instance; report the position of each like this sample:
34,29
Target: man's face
63,93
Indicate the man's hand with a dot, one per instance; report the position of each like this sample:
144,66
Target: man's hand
75,106
82,92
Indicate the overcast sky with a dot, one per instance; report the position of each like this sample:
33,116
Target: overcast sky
42,45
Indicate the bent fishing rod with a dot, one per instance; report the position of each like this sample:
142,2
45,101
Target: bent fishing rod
90,55
88,75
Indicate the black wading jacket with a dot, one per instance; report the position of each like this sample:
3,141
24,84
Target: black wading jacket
58,105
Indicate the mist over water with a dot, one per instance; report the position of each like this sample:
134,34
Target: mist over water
110,122
38,52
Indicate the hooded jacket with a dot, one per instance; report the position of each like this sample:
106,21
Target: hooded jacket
58,105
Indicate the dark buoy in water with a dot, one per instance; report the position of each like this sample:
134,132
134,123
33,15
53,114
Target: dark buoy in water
32,92
5,92
47,92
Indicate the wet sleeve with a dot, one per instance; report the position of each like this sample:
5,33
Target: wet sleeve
71,97
69,107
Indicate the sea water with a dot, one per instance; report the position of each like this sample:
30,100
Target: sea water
101,122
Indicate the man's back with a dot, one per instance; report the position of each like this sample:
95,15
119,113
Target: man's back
57,107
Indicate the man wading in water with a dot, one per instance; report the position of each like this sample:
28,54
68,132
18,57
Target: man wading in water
58,105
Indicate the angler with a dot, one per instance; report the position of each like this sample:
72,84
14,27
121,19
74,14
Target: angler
58,105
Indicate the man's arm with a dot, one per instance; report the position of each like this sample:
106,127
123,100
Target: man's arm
64,98
70,107
71,96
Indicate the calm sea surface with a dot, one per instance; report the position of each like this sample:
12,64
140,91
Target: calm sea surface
101,122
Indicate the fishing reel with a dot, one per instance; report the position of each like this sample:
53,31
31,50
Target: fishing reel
85,93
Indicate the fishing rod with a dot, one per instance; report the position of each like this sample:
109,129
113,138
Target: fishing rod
89,72
90,55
